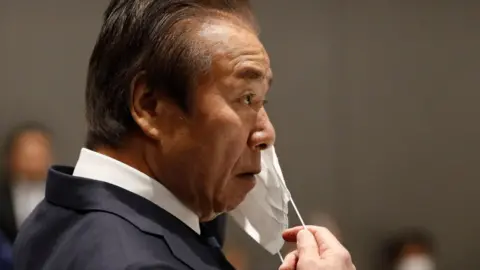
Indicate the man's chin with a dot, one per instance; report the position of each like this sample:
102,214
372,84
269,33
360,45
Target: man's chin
235,204
210,217
230,206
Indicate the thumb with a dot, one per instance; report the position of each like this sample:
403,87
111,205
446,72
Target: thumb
307,245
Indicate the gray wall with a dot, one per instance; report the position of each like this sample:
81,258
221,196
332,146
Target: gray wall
374,103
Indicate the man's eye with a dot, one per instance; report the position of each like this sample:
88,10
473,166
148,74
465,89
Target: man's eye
248,99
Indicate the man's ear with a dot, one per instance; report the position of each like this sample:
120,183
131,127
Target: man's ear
145,107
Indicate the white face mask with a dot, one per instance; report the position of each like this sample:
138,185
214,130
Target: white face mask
264,213
416,262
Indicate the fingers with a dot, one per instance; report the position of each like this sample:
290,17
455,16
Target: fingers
290,235
323,236
290,261
317,247
307,244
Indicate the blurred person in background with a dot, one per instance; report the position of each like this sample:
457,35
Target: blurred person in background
410,249
27,157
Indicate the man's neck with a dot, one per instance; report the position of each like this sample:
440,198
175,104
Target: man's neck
131,155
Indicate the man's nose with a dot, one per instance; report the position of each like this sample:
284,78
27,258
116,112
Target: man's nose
263,134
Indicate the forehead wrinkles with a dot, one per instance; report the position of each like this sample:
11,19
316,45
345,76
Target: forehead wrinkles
229,43
224,36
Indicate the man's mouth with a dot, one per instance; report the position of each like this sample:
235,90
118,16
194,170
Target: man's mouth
249,175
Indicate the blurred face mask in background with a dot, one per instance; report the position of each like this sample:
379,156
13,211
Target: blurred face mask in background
264,213
416,262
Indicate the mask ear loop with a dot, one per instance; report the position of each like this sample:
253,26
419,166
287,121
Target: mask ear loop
298,213
293,202
293,205
301,221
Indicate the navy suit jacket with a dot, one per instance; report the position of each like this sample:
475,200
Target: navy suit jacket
88,224
5,253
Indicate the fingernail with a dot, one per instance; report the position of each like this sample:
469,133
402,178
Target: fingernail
301,233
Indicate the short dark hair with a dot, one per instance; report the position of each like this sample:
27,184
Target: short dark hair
150,36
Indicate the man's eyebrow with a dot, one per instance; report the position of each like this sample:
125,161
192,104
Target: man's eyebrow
253,74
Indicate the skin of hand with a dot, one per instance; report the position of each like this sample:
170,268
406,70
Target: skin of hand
317,249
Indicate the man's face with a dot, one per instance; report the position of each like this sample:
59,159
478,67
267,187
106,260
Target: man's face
209,156
30,157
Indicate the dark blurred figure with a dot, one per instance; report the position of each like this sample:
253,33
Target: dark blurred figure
27,157
5,253
410,249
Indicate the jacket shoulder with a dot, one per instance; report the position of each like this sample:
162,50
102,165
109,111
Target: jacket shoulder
101,240
106,241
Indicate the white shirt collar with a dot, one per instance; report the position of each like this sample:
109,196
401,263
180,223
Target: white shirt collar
99,167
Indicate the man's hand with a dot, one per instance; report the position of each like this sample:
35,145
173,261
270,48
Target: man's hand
317,249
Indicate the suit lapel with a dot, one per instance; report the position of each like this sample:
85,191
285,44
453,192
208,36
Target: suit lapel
90,195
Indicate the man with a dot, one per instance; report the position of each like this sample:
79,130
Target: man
28,156
176,125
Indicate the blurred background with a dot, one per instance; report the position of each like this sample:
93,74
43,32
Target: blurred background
375,103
